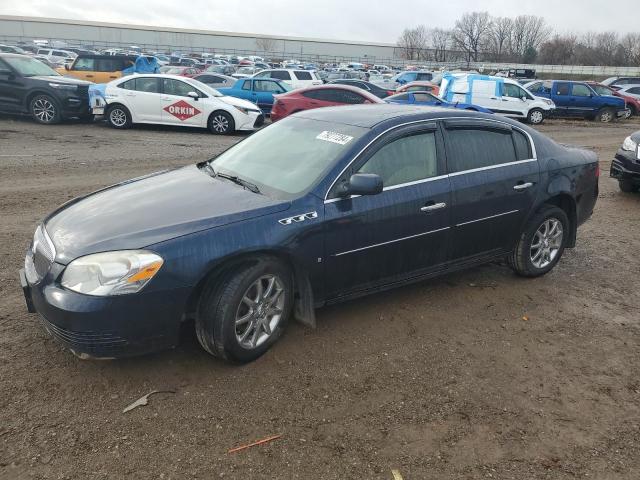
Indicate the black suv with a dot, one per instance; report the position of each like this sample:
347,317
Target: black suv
30,86
626,165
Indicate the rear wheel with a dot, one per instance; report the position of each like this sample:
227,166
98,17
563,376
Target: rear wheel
241,315
627,186
221,123
605,115
119,117
535,116
542,243
45,109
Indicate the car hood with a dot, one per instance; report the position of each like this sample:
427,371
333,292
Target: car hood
151,209
61,79
238,102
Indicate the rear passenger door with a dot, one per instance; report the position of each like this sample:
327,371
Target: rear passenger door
494,181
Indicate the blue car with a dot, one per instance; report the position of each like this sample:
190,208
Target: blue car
257,90
412,76
428,99
323,206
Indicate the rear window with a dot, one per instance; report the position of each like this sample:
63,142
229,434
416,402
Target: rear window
523,148
471,148
303,75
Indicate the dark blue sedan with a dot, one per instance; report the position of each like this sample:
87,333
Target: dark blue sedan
323,206
430,100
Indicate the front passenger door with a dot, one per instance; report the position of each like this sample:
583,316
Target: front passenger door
178,107
399,233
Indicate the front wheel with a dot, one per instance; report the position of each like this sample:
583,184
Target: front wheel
541,244
241,315
221,123
535,116
119,117
606,115
44,109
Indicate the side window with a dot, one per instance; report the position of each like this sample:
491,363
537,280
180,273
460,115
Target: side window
407,159
84,65
523,148
207,79
580,90
512,91
562,88
546,87
109,65
424,97
349,97
147,84
280,75
536,87
246,85
176,87
4,68
634,90
470,148
303,75
325,94
263,74
128,85
401,96
425,76
266,86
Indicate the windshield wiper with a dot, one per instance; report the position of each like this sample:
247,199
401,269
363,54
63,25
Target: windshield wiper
234,178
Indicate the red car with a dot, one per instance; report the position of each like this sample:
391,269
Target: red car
633,103
183,71
318,96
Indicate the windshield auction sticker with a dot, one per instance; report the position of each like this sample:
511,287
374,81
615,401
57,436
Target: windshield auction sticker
334,137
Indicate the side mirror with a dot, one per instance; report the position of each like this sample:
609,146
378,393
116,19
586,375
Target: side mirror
523,98
193,95
362,184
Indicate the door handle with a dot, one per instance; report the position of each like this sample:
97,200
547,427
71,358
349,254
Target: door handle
433,206
494,98
505,100
522,186
89,76
165,99
130,94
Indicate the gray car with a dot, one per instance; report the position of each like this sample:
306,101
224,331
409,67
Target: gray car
632,90
215,80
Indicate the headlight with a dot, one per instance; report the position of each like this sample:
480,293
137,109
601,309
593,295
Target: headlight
246,111
111,273
629,145
63,86
549,102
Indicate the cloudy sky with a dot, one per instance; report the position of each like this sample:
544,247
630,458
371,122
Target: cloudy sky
364,20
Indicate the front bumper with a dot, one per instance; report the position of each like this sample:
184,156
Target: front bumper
626,166
624,113
107,327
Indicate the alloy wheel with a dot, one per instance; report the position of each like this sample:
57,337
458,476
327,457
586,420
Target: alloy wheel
260,311
44,110
220,123
118,117
606,117
546,243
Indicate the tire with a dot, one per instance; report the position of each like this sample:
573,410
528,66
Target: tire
527,260
535,116
221,123
606,115
44,109
119,117
235,298
627,186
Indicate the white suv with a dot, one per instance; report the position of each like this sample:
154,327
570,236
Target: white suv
293,77
57,56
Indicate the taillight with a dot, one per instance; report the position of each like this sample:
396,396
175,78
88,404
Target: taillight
597,170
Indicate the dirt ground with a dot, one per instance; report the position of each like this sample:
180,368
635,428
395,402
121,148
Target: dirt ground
478,374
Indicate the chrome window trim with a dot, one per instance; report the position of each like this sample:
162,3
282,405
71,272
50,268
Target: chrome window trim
427,120
390,241
487,218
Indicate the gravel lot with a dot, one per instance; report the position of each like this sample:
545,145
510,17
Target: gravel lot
478,374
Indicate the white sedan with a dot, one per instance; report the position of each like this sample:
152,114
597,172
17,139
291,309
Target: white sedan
173,100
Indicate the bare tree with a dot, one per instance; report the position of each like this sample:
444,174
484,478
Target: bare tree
499,37
471,32
266,44
631,46
559,50
441,43
528,33
413,43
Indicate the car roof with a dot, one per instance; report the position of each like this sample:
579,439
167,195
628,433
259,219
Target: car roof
337,86
368,116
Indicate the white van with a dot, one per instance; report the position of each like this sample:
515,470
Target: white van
500,95
57,56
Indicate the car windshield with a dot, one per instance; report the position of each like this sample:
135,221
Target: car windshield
29,67
175,70
600,90
246,70
289,157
